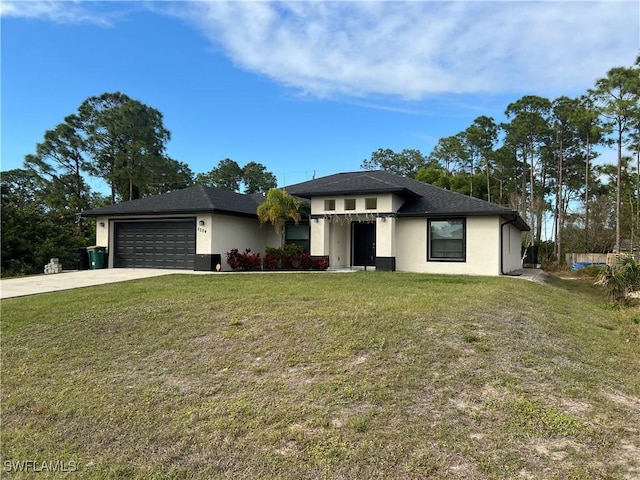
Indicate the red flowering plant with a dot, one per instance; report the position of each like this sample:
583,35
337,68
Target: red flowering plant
244,262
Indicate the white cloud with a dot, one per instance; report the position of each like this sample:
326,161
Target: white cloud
58,11
415,49
409,50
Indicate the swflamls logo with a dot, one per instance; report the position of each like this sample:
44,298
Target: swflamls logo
39,466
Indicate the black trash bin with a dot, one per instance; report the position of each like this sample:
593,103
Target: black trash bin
530,255
82,259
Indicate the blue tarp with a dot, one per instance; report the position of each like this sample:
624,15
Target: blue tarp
579,265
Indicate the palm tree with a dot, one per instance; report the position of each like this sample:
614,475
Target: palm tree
279,208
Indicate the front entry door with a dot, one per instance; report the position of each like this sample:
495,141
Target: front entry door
363,244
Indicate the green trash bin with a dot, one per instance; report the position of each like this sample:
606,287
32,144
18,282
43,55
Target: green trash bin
96,257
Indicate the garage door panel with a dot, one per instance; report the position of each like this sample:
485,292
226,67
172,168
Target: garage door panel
155,244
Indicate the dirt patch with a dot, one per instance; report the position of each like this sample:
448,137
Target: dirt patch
576,407
627,401
629,457
183,385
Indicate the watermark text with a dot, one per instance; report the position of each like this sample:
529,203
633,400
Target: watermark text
39,466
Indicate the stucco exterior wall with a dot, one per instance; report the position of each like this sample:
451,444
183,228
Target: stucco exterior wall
396,203
386,237
204,234
103,227
320,236
340,245
229,232
482,248
386,203
511,248
271,238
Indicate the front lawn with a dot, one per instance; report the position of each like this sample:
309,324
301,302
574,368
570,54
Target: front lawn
321,375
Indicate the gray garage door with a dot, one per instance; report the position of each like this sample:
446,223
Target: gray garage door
155,244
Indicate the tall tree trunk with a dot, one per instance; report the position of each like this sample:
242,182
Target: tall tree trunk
532,197
586,197
544,178
559,198
488,183
523,191
558,212
633,245
619,190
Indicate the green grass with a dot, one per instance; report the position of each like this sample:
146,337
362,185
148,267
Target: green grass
363,375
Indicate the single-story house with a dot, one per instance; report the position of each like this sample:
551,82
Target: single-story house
359,220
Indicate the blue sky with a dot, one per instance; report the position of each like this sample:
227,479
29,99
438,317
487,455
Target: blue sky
304,86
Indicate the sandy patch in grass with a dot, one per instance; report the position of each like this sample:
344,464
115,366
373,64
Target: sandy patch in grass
629,456
555,449
625,400
182,384
576,407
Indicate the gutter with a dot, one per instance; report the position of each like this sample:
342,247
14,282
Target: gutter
509,222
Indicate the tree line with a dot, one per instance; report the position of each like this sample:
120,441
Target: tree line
542,163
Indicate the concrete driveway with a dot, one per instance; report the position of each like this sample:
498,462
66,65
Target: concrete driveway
19,287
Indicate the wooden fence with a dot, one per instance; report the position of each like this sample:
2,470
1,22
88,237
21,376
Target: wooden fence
608,258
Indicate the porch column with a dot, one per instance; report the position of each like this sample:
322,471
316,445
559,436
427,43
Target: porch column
386,243
320,236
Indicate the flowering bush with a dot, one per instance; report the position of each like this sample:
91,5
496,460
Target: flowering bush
321,263
305,262
244,262
271,260
291,257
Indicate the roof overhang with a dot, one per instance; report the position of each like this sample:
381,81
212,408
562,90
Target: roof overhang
167,213
405,193
511,217
517,221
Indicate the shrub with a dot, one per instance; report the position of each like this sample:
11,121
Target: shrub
591,271
621,278
321,263
291,257
245,262
271,261
289,261
305,262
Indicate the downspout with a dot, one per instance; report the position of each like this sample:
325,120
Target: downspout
502,272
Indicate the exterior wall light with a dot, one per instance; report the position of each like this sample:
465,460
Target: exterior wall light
102,224
201,223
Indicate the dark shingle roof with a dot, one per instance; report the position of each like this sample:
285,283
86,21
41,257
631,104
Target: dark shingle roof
190,200
354,183
422,198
